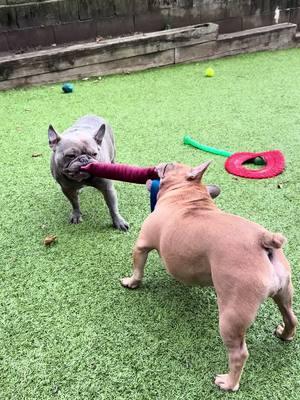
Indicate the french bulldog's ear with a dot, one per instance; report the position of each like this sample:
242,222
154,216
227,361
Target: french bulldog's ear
161,169
100,134
213,190
53,137
197,172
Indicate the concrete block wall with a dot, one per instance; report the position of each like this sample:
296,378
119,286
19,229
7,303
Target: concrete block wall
29,24
143,51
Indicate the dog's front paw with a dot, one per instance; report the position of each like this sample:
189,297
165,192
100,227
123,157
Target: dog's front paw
281,333
121,224
225,383
130,283
75,217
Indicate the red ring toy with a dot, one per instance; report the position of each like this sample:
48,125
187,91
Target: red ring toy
274,164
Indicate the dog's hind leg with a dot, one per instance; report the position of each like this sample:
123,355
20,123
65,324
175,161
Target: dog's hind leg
140,255
233,323
146,242
283,299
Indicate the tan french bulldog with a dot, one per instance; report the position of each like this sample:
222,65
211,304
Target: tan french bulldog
89,139
200,244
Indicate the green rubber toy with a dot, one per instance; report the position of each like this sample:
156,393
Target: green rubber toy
188,140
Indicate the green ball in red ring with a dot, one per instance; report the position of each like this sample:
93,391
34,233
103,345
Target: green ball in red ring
259,161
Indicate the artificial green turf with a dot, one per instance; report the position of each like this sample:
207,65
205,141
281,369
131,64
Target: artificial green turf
68,329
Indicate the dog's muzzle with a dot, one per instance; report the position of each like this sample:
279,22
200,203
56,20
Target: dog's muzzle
72,170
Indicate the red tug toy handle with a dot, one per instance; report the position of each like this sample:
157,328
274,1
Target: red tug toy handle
121,172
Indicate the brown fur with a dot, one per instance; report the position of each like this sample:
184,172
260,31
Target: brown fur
200,244
275,240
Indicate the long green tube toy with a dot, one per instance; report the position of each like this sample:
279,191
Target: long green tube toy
188,140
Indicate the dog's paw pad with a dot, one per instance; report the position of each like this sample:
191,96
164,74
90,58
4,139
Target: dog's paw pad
129,283
224,383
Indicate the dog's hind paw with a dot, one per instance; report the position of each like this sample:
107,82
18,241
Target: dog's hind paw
224,383
281,334
130,283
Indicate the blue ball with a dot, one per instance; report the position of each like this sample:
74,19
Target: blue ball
67,88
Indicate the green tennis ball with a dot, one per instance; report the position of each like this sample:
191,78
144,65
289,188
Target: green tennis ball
209,72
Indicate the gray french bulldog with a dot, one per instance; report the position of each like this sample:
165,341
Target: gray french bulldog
89,139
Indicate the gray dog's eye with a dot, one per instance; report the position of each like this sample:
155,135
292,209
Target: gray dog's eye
94,154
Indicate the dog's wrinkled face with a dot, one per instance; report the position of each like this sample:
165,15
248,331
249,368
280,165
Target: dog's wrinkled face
73,159
71,152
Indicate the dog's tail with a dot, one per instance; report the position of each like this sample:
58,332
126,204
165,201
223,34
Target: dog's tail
271,240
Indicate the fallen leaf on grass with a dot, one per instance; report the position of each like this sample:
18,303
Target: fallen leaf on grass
36,155
280,184
49,240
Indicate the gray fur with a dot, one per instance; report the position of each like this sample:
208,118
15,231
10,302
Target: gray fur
89,139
